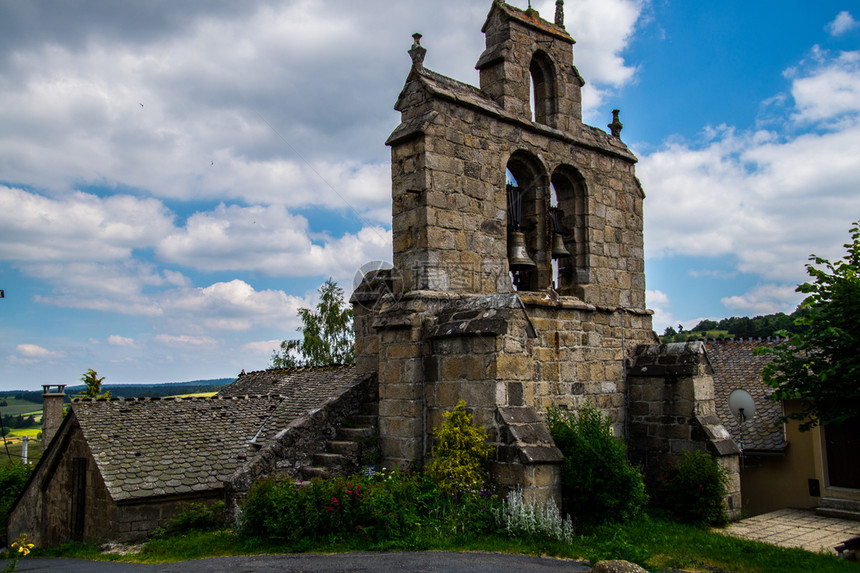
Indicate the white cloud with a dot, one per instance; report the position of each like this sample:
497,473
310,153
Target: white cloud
29,354
766,199
117,340
842,24
658,302
230,306
765,299
830,90
268,240
77,226
34,351
262,347
185,340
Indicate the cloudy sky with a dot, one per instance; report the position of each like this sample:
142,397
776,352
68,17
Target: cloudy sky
177,178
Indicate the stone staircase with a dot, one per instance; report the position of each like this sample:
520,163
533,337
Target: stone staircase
354,446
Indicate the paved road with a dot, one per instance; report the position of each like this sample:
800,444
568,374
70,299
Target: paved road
405,562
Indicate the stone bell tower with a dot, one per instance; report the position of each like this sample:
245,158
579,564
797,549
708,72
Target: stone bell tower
518,278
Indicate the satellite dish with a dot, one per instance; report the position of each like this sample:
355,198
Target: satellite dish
742,405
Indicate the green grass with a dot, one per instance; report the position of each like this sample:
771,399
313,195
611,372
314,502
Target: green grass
23,407
653,542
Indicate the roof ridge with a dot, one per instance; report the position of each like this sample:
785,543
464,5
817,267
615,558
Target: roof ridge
144,399
301,369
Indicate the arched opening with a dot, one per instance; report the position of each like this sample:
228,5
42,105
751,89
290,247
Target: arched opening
526,188
543,89
571,229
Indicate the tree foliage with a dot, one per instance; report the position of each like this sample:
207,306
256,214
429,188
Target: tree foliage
822,363
327,336
93,386
738,327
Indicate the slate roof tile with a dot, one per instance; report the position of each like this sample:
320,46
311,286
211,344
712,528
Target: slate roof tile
736,366
146,447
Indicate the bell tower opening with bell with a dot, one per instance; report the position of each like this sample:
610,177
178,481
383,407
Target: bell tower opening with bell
518,279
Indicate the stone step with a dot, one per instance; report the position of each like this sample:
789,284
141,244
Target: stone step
329,460
371,408
311,472
365,420
355,434
838,513
343,447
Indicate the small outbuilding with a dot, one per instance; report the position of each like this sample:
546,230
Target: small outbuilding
117,468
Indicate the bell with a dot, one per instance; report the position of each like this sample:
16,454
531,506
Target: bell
518,255
559,251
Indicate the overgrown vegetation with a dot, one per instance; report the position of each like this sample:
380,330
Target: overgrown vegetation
194,517
696,489
461,453
598,483
384,511
13,478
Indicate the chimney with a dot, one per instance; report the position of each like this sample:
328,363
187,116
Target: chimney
53,396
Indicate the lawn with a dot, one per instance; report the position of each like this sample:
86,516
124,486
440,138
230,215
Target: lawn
654,541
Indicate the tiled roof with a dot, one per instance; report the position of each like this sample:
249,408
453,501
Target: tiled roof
154,447
303,388
736,366
292,382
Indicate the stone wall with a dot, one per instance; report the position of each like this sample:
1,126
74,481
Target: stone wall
504,355
449,159
451,321
672,412
294,446
44,511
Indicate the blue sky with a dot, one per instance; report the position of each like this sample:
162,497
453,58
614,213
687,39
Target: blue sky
176,179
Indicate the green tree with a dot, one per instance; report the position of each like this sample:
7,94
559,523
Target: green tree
93,386
327,336
822,362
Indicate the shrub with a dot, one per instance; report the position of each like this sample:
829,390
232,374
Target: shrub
386,510
461,452
519,517
598,483
194,517
13,478
697,486
386,506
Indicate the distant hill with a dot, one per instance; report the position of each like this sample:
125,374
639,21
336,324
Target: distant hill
133,390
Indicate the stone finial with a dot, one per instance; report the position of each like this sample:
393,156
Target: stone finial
559,13
417,51
616,125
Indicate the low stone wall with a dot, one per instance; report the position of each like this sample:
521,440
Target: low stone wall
672,411
294,447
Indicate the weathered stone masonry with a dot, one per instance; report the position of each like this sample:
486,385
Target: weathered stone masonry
454,324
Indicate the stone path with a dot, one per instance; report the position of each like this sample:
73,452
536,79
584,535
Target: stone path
796,528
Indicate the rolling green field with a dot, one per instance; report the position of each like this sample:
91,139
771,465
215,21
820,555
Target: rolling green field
17,407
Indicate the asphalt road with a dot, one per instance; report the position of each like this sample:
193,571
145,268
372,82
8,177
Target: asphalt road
342,562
